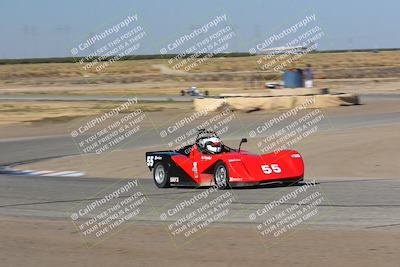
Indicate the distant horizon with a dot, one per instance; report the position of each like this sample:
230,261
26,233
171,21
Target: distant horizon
383,49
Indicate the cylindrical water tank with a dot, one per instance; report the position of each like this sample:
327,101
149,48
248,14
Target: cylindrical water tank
293,78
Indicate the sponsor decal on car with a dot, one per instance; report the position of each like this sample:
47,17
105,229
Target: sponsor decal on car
235,179
195,170
174,179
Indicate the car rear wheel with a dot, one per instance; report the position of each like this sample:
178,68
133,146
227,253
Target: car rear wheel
221,176
160,175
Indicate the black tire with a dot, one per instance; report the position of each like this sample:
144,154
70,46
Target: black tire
221,176
163,180
182,93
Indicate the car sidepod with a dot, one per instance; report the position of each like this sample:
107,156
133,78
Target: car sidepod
177,175
250,168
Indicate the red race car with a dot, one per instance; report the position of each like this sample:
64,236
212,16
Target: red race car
209,162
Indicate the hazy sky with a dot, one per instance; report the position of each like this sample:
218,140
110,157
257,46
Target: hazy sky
50,28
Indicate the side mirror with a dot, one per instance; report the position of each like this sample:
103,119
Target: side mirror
244,140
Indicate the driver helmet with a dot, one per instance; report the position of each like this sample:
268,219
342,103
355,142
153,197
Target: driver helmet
211,144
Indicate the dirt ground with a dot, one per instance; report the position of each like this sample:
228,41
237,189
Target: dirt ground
353,85
55,243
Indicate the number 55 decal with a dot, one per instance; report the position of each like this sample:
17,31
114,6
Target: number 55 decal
150,161
268,170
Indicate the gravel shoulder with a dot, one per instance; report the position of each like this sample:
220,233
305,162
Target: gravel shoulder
50,243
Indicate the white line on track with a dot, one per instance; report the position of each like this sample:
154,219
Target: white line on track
13,171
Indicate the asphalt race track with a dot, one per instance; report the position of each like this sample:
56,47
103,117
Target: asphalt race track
16,150
348,202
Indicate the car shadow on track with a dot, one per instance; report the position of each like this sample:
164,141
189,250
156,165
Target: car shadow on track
246,187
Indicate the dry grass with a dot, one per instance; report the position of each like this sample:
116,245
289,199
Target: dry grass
341,65
217,75
62,111
147,66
